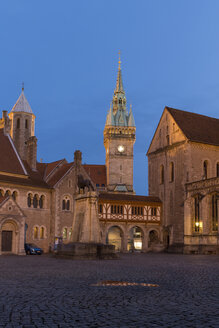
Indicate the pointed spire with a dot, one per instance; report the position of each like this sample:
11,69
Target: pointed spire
110,118
119,84
131,121
22,104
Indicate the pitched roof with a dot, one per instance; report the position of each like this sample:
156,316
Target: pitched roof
130,198
46,169
10,161
97,173
196,127
22,105
59,174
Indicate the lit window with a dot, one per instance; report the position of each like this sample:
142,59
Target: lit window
64,233
171,172
42,233
35,232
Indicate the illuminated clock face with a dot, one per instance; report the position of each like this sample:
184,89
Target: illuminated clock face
121,148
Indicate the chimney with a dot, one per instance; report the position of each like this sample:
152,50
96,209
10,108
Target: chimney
32,152
77,158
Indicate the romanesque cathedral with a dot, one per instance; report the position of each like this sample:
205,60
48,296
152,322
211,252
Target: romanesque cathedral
51,203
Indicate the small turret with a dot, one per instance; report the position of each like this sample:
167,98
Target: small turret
22,124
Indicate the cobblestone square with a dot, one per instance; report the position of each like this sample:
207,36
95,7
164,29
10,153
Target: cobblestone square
42,291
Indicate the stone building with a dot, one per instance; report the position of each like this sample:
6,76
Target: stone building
45,203
183,164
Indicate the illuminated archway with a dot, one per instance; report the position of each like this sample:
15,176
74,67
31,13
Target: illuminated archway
114,237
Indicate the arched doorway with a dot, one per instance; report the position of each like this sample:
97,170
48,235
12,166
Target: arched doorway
114,237
9,237
135,239
153,238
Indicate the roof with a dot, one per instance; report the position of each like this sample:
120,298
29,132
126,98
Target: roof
196,127
59,174
97,173
10,161
22,104
46,169
129,198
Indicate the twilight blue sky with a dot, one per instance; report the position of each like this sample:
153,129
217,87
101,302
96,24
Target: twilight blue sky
66,52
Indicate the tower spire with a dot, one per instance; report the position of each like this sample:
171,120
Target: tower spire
119,84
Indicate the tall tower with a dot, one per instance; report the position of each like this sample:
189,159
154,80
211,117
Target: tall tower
119,139
22,124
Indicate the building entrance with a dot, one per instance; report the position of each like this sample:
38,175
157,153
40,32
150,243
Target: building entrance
6,241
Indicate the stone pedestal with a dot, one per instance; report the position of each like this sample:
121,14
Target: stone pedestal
86,231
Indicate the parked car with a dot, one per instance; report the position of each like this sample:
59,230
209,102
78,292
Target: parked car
32,249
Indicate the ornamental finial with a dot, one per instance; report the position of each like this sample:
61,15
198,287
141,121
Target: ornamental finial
22,86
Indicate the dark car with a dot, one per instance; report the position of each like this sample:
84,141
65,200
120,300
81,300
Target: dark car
32,249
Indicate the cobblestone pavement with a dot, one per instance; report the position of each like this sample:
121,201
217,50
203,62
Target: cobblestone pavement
41,291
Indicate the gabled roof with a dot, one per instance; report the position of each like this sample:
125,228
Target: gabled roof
97,173
196,127
59,174
10,161
22,104
47,169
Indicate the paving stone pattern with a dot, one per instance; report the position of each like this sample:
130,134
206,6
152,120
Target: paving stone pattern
41,291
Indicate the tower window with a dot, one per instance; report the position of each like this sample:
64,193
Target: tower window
18,123
26,124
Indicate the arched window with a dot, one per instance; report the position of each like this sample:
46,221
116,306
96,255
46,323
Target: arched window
26,124
35,232
29,200
64,233
35,201
217,170
1,192
41,201
14,195
214,213
161,174
69,183
42,233
66,204
171,172
18,123
205,169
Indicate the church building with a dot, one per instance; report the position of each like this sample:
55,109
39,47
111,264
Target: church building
183,164
48,203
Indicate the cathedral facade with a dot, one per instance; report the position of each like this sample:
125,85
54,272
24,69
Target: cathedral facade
49,203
